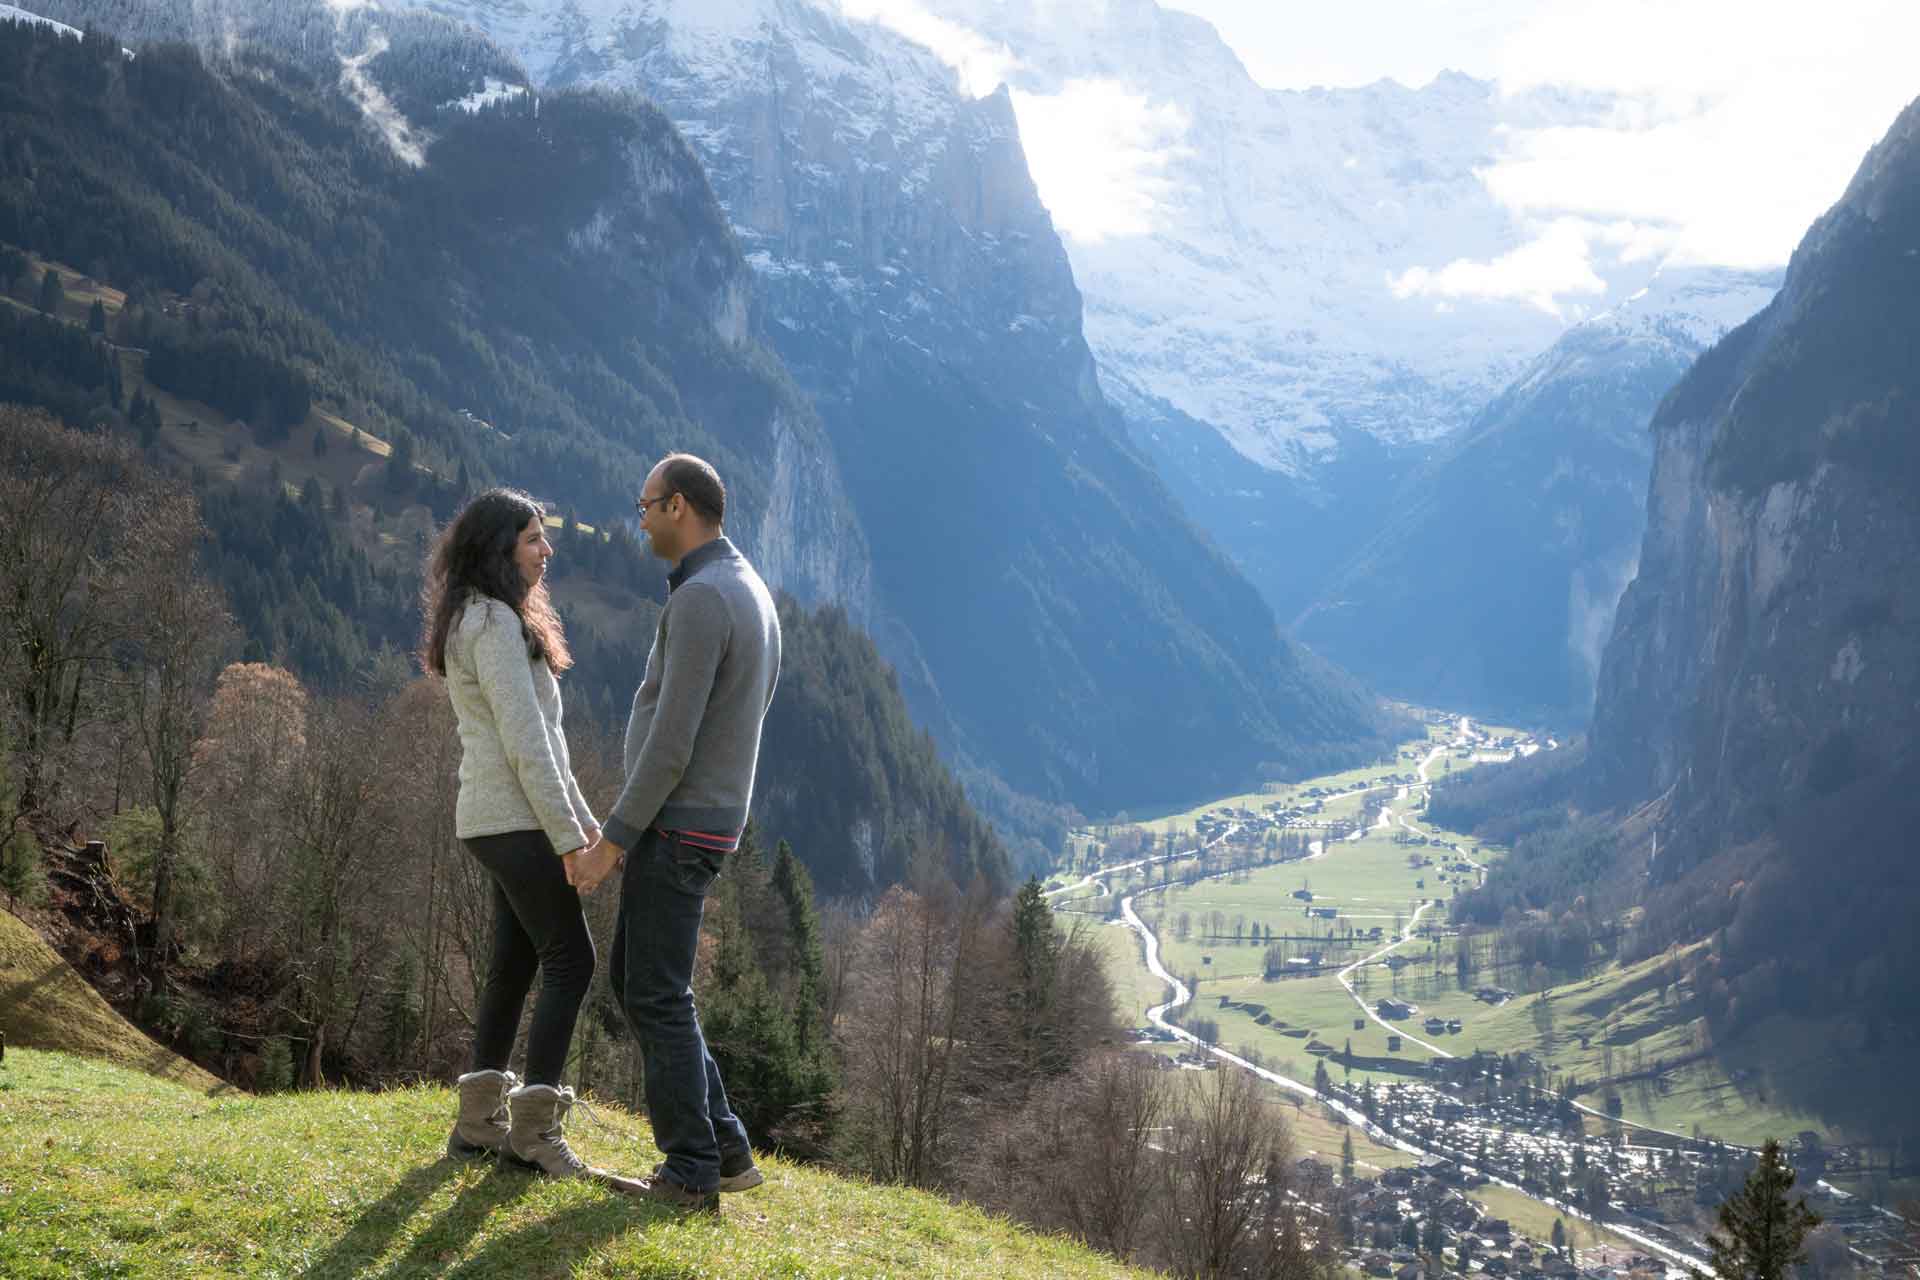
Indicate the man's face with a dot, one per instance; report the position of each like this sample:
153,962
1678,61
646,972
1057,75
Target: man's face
662,517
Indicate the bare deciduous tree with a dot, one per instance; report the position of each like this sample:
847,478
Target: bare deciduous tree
342,878
910,995
68,502
1109,1119
180,635
1222,1184
247,762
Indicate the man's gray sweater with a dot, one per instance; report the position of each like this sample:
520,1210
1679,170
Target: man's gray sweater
693,740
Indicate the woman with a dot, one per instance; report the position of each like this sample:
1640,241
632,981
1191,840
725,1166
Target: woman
492,633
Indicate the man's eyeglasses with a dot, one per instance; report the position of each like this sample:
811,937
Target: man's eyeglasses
641,504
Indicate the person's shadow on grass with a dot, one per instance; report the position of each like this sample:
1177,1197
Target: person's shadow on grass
554,1246
377,1224
550,1246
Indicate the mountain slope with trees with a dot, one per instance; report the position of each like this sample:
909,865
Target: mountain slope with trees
228,305
477,312
1054,614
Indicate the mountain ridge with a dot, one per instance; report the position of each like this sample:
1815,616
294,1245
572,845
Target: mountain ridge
1491,582
915,286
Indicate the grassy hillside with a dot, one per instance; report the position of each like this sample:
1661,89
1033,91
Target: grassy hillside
44,1004
111,1172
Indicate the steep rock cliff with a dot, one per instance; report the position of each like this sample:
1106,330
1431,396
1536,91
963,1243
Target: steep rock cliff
1762,685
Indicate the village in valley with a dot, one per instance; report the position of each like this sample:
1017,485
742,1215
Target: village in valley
1308,927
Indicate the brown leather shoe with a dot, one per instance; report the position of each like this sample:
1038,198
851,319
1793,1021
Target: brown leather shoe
658,1188
737,1173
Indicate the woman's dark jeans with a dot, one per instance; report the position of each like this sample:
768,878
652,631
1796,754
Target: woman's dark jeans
662,896
537,924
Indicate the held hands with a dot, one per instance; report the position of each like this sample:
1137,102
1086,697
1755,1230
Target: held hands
593,862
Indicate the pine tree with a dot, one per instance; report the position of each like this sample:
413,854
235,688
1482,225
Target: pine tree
319,442
21,876
1036,955
1346,1158
1761,1236
51,294
774,1080
137,411
400,464
795,887
399,1015
96,318
276,1066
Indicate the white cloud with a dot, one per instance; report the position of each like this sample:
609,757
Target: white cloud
982,64
1099,154
1098,151
1738,121
1557,263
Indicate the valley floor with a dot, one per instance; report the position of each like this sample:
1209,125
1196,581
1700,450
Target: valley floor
1288,972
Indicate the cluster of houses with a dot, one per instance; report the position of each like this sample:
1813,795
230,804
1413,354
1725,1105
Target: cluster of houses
1400,1011
1426,1204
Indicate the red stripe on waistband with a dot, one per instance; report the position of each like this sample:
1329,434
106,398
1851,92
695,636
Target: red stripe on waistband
713,841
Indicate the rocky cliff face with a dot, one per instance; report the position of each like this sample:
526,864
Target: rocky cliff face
1491,585
1048,605
1765,663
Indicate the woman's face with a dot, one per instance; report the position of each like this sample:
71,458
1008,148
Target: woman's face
531,551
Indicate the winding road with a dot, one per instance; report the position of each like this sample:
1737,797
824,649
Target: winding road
1181,994
1157,1016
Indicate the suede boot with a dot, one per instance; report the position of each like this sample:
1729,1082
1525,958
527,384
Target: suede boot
536,1136
481,1129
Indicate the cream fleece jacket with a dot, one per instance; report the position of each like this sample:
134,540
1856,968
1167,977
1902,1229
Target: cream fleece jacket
515,774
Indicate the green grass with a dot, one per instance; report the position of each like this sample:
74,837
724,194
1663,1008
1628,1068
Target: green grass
1367,881
44,1004
1135,990
108,1172
1621,1008
1532,1218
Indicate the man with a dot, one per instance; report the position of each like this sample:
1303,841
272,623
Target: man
692,744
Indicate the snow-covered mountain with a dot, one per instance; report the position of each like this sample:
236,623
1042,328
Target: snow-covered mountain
1276,287
1493,584
1033,576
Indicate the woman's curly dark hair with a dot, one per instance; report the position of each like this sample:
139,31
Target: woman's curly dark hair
473,558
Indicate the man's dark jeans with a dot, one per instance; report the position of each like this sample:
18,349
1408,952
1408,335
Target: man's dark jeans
662,895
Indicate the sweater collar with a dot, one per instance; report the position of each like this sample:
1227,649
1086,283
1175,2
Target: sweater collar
699,558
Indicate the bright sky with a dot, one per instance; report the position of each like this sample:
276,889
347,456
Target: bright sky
1740,121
